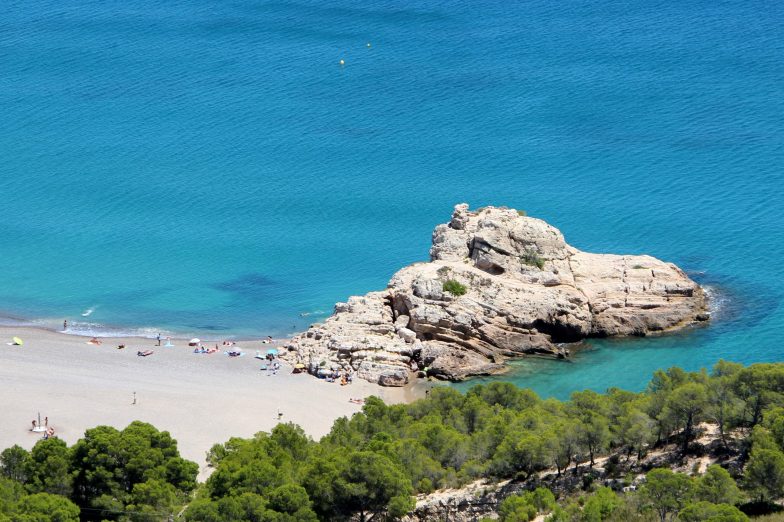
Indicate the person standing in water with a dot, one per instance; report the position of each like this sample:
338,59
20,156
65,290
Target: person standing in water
65,324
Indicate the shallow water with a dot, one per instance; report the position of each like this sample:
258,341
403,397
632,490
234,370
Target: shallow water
210,168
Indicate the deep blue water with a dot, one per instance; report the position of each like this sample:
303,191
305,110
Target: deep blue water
209,167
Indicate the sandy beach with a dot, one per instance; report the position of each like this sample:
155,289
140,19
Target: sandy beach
200,399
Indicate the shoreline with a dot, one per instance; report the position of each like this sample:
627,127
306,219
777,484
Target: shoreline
85,328
200,399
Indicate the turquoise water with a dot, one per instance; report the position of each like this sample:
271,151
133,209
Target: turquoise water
210,168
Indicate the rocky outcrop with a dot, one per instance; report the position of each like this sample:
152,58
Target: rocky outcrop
513,287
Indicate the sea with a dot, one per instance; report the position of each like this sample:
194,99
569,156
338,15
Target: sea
232,168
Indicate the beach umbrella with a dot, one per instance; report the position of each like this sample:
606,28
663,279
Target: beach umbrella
299,366
272,351
17,341
194,341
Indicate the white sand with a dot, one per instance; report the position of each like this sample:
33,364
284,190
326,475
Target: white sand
199,399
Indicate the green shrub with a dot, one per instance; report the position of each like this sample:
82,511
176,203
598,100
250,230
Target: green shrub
525,507
531,258
601,505
425,486
454,287
521,213
706,511
516,509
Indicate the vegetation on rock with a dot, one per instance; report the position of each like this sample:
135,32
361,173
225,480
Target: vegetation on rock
532,258
455,287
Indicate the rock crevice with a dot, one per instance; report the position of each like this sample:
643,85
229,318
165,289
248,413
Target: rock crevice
526,292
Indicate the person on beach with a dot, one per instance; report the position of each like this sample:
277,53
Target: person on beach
65,324
159,339
46,421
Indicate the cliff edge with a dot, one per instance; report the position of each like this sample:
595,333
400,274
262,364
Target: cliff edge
498,285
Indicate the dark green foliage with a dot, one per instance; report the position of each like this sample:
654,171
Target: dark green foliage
667,492
684,408
18,506
291,499
245,506
133,474
138,466
717,486
366,483
15,463
758,386
454,287
10,493
287,473
45,507
765,473
48,468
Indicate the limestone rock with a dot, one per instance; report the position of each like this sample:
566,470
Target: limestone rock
527,292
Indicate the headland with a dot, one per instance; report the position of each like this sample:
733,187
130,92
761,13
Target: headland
499,284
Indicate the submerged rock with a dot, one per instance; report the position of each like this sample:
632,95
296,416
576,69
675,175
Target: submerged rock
515,287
